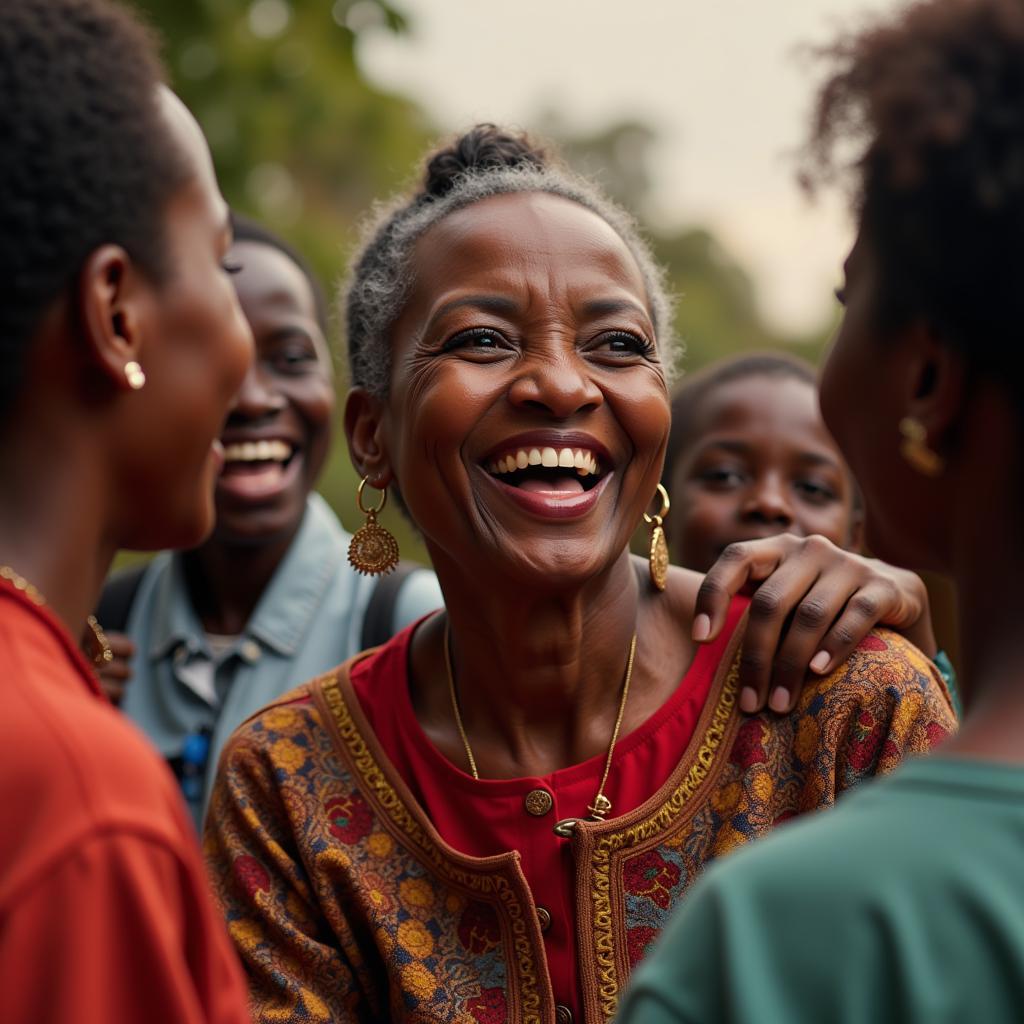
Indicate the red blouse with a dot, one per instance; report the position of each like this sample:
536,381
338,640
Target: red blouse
482,817
103,899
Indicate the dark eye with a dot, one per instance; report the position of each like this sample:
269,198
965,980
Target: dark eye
840,294
294,360
230,266
625,343
480,339
815,492
722,477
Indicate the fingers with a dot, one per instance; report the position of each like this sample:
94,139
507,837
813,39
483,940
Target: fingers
121,645
738,566
872,603
775,603
829,621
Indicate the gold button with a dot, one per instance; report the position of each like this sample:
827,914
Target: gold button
544,918
563,1014
538,802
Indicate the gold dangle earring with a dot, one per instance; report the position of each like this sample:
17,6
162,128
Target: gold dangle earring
915,450
373,550
659,548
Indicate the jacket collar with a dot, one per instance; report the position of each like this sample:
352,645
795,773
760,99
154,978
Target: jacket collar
286,608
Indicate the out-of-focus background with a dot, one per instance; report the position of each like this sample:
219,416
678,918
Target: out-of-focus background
689,113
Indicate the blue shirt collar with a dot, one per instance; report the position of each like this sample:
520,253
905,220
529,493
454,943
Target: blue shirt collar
285,610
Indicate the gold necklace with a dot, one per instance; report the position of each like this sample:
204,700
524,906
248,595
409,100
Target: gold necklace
601,805
99,657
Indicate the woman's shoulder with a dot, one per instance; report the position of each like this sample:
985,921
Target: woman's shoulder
886,683
268,734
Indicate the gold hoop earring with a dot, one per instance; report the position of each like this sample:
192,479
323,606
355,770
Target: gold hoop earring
658,557
373,550
134,375
915,450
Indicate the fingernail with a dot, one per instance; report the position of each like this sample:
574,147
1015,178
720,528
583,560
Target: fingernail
748,700
820,662
702,629
779,700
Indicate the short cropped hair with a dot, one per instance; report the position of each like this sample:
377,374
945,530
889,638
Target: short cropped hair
246,229
694,390
85,158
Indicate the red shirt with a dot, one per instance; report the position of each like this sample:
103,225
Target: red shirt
104,910
481,817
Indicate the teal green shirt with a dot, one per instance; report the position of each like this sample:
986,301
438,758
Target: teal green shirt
903,904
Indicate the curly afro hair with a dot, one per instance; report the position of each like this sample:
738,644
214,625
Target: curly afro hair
925,114
86,156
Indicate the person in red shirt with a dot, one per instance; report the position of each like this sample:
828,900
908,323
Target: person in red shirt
122,348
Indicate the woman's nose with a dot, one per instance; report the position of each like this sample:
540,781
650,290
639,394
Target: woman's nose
559,387
258,396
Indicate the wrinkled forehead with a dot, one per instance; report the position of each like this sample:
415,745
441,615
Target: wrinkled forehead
527,238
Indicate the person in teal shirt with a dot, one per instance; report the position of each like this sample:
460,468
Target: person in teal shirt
905,903
269,600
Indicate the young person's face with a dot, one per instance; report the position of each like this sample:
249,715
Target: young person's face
758,462
278,433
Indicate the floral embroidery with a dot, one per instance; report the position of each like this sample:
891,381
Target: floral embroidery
350,817
489,1007
251,875
862,719
343,907
478,928
650,875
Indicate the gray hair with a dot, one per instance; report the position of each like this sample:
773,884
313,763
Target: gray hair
380,278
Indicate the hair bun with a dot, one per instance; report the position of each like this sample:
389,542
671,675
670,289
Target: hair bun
483,147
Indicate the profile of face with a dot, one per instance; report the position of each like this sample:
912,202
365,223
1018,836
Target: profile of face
277,434
863,366
528,413
758,462
194,346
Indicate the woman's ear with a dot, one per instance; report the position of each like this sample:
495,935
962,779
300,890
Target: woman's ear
936,386
112,298
364,416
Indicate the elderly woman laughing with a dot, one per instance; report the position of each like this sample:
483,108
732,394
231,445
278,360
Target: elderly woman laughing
490,817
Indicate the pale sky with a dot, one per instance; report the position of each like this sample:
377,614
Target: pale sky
721,80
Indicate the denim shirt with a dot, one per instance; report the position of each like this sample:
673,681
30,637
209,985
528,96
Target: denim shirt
308,620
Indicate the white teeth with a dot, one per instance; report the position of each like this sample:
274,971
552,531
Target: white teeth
258,451
583,462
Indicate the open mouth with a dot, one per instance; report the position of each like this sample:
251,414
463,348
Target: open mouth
257,468
565,471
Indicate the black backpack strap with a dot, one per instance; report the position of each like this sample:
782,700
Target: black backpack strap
117,598
379,620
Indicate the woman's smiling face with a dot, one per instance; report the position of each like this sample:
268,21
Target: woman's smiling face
528,413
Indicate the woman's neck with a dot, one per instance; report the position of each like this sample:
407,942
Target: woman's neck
539,676
226,581
989,600
53,523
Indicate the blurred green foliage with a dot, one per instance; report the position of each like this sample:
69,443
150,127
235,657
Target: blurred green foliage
302,141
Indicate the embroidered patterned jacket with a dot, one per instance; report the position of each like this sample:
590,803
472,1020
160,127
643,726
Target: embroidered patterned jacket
345,904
